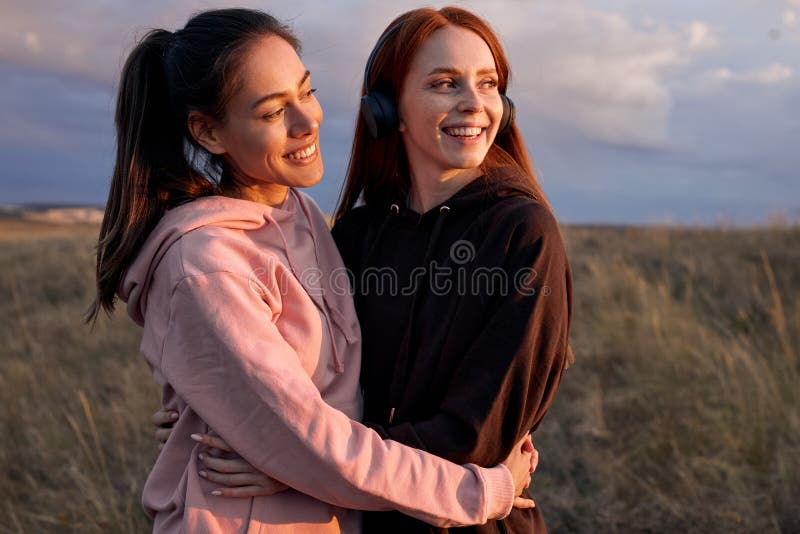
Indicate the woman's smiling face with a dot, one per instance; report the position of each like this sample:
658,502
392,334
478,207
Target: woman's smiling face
270,133
450,106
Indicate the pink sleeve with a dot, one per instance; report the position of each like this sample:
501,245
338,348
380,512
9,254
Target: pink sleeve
226,358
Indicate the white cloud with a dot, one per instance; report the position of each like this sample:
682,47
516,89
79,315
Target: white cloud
603,75
596,72
701,36
770,75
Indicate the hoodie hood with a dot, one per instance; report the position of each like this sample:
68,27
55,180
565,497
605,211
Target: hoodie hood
219,211
499,183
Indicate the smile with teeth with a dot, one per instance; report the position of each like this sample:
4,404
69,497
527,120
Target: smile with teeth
303,153
464,131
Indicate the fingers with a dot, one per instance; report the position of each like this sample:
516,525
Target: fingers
524,439
212,441
164,417
163,420
215,452
229,465
235,479
247,491
527,444
522,502
162,434
266,485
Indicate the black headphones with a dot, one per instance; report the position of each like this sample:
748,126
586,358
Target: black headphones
380,112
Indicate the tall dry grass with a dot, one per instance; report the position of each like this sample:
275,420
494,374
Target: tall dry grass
75,445
681,414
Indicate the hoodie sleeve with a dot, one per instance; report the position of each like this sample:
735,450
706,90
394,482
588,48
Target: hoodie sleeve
224,355
506,381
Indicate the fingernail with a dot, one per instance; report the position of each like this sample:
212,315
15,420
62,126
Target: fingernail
173,416
216,492
201,456
196,437
203,474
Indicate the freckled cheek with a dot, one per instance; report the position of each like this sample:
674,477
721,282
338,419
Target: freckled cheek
494,108
423,113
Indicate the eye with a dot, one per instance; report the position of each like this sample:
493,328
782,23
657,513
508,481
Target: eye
310,92
273,115
488,83
444,84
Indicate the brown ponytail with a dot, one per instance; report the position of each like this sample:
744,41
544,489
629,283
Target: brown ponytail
158,163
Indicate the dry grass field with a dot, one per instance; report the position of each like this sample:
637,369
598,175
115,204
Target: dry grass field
681,414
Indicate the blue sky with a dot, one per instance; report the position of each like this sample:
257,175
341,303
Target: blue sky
634,112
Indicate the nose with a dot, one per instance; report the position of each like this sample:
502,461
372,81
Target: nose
303,121
471,101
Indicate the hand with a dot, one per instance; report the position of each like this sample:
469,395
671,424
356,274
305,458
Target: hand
534,456
521,463
222,465
163,421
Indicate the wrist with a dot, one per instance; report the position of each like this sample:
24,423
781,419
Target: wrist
499,491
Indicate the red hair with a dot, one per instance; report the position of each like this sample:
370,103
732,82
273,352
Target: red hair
378,169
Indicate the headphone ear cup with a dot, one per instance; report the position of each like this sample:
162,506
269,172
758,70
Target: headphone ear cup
380,114
509,114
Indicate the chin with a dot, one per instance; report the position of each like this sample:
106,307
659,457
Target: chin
467,163
310,180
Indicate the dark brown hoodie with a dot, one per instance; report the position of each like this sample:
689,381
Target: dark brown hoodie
465,314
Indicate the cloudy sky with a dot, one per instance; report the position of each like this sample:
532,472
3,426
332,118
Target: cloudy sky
671,111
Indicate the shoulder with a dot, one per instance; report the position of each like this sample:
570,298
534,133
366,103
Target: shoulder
214,249
354,218
523,216
352,224
525,233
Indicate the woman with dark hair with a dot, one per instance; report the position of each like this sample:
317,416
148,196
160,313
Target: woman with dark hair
230,271
463,354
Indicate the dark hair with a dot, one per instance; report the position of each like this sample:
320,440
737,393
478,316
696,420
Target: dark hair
158,163
378,170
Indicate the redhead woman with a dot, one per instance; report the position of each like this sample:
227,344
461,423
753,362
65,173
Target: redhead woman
229,270
462,285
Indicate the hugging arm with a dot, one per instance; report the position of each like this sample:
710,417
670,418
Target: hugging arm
246,382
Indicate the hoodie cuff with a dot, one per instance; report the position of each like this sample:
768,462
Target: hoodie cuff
499,491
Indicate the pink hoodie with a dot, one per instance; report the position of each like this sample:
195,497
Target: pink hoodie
250,330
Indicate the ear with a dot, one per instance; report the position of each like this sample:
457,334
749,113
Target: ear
205,131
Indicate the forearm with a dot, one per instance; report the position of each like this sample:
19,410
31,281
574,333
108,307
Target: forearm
268,409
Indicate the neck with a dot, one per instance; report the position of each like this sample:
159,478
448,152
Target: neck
269,194
429,190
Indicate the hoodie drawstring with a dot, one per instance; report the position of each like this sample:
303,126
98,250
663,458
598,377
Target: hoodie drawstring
337,362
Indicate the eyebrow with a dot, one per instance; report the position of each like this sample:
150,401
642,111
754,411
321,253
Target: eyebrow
454,71
280,94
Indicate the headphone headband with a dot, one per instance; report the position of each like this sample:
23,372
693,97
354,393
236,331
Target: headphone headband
374,53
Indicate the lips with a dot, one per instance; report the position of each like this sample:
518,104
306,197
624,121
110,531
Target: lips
303,153
463,131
